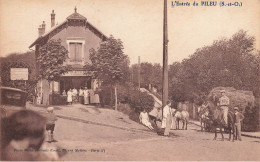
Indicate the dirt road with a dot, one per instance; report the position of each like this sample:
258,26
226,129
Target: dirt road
117,144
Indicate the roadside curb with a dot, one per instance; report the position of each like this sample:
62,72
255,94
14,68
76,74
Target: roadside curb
243,134
107,125
191,122
252,136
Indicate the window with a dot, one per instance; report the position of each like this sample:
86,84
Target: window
75,52
15,98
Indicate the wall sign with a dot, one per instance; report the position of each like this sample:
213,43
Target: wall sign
19,73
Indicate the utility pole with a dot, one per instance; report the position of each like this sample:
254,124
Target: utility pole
139,71
165,56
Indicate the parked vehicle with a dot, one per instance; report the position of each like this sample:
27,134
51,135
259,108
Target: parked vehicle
11,100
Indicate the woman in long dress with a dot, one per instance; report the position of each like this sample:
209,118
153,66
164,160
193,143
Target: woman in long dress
144,119
69,97
86,96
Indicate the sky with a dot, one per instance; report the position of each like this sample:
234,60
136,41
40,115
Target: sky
138,23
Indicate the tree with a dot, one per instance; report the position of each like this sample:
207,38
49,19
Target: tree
19,60
50,59
109,64
149,73
227,62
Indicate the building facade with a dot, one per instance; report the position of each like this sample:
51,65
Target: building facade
78,36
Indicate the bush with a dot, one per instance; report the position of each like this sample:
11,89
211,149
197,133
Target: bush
140,101
134,116
105,94
124,108
123,93
250,123
57,99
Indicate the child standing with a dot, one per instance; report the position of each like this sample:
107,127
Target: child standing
50,124
238,118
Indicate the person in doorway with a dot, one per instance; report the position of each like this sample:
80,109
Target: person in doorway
91,96
167,118
74,95
69,96
50,124
144,119
86,96
64,93
81,95
238,118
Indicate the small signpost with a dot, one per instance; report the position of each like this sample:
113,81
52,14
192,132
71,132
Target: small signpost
19,74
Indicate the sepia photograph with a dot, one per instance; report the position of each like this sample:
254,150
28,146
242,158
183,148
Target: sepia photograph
130,80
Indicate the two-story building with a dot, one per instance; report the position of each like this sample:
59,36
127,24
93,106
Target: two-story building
78,37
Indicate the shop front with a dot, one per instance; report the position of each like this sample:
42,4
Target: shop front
75,82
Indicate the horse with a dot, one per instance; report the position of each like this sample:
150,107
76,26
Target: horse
203,114
216,115
183,116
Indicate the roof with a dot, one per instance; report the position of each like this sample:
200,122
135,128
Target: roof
13,89
74,16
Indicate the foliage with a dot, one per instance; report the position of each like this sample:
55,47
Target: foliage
251,120
50,60
140,101
229,62
125,109
134,116
106,95
124,92
149,74
25,60
238,98
109,63
57,99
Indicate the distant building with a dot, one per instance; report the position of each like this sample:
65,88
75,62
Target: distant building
78,37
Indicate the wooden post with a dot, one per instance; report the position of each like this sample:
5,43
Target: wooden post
139,75
115,98
194,110
165,57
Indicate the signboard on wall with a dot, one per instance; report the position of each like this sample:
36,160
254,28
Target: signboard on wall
74,73
19,73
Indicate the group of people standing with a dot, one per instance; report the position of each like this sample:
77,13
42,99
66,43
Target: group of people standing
83,96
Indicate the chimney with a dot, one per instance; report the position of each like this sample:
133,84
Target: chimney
43,27
52,18
40,31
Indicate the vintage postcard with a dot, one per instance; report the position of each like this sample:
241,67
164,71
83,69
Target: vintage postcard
130,80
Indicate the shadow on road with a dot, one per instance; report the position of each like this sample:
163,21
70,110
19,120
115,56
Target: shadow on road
84,110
